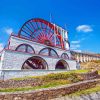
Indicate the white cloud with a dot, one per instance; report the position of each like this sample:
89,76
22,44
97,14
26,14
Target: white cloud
75,46
8,30
84,28
78,50
75,42
1,46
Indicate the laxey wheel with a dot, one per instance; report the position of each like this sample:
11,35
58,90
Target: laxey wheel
42,31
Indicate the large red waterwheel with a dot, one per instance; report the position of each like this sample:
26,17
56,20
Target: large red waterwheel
42,31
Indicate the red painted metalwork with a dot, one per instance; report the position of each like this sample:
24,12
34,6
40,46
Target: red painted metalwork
41,31
25,48
49,52
65,56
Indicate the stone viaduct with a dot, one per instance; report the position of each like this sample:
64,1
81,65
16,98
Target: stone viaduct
84,56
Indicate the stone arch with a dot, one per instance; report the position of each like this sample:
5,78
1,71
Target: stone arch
48,52
35,62
65,56
62,64
25,48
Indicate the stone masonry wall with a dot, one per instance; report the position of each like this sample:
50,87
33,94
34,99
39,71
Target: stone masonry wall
8,74
90,96
13,60
15,41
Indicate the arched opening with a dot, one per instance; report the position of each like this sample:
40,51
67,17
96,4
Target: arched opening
25,48
35,63
48,52
62,64
65,56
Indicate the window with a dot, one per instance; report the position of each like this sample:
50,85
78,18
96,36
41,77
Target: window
65,56
49,52
25,48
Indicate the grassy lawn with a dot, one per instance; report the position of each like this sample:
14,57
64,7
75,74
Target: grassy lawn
53,75
80,71
50,80
54,83
86,91
49,84
99,72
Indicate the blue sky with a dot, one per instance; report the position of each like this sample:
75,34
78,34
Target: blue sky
82,18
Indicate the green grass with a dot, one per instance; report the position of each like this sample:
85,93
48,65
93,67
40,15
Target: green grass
50,80
86,91
53,75
80,71
54,83
99,72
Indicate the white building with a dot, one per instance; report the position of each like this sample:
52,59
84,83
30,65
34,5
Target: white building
40,47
